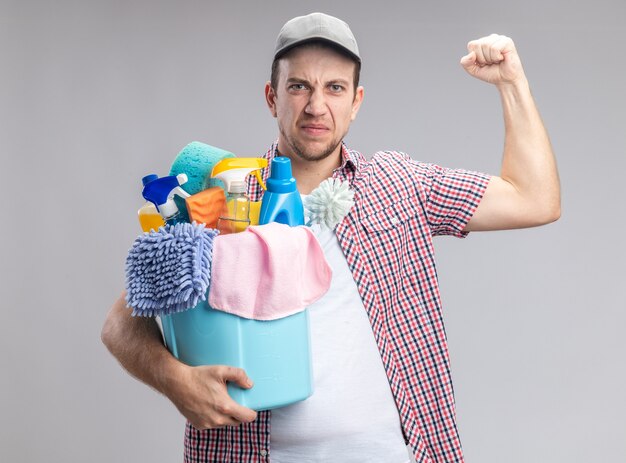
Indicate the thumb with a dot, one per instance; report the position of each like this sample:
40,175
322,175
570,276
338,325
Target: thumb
469,61
237,375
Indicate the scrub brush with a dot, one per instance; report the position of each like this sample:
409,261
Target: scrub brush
329,203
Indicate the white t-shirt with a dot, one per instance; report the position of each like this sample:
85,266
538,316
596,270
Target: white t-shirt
352,415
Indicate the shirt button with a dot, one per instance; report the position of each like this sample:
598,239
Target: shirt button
394,220
263,453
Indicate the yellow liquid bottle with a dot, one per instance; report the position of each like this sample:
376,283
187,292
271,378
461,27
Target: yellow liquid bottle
149,217
235,217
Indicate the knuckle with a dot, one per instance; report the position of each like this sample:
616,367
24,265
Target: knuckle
223,372
223,409
220,423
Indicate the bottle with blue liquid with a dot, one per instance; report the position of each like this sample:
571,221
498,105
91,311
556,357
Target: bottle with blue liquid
281,202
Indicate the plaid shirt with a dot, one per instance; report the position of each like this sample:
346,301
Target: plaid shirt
400,204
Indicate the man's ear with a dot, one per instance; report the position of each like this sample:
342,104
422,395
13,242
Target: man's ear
270,98
356,104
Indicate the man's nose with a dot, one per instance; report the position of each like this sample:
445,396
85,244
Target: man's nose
316,105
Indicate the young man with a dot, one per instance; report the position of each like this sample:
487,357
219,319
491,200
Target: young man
380,356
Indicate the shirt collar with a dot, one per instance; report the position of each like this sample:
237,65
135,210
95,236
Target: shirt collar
349,159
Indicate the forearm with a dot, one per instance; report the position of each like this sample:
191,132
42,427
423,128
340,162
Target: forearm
199,393
527,192
137,344
528,162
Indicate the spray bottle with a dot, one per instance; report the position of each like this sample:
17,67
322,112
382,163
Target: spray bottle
235,217
149,217
161,192
281,202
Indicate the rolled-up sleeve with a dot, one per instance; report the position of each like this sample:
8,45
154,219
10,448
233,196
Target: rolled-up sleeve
452,196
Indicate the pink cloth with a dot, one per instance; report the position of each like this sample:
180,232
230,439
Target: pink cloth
267,271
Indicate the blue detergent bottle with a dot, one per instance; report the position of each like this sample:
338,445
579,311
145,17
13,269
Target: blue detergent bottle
281,202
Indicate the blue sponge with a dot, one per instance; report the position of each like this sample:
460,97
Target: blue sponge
197,161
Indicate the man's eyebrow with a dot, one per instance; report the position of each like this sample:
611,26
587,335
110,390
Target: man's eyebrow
296,80
339,81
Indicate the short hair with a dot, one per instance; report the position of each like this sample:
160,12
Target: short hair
317,44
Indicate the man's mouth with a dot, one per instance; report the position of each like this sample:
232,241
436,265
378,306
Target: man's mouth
314,129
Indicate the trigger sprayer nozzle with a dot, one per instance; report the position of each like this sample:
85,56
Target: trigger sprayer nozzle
235,169
161,191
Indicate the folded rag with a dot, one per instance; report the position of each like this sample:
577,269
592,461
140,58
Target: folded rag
169,270
263,273
268,271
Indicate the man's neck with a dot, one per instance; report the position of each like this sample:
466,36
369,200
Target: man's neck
309,174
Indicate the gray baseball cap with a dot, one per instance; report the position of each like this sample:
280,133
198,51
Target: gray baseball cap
316,26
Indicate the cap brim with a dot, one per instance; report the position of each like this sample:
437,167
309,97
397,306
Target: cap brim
287,48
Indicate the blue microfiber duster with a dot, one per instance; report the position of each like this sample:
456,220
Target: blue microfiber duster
168,271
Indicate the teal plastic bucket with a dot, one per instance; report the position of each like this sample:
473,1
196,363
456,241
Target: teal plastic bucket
275,354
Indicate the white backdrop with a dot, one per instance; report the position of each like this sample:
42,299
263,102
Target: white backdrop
94,95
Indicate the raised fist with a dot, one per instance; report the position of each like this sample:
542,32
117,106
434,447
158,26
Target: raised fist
493,59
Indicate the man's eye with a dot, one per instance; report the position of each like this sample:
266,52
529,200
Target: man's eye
297,87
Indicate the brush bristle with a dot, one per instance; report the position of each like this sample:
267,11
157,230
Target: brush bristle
168,271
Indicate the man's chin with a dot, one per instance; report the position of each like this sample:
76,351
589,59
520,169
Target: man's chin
309,149
315,153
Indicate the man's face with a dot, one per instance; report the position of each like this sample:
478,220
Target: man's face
314,102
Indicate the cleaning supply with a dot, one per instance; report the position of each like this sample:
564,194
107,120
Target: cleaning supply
206,207
197,160
231,169
235,217
329,203
285,264
275,354
149,217
161,192
169,270
168,273
281,202
172,269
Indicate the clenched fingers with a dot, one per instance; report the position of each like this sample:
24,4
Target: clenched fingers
493,59
490,49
